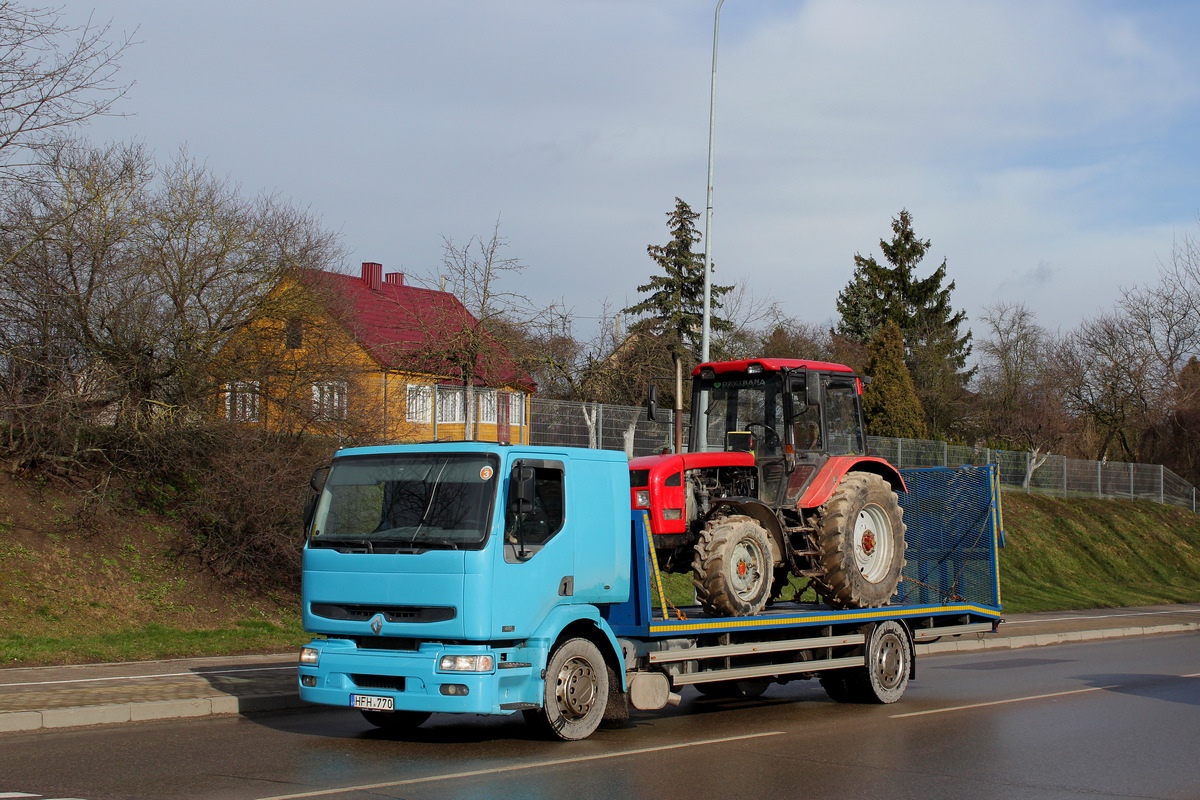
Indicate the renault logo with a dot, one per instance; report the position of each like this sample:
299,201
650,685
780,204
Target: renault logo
377,623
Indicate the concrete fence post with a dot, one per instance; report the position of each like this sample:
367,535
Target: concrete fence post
1162,494
1131,481
1099,479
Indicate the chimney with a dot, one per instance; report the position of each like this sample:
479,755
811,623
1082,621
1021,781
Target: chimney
372,275
394,278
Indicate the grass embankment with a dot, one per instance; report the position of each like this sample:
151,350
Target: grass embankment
78,587
1090,553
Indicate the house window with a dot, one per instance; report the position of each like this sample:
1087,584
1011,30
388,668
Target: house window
451,405
419,403
294,333
485,400
516,409
241,401
329,400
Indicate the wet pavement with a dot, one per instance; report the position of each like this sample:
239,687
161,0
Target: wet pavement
96,694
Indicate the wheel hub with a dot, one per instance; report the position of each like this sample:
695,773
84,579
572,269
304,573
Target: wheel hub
873,543
576,690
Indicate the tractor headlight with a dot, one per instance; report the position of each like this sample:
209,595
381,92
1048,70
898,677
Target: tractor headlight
310,656
641,498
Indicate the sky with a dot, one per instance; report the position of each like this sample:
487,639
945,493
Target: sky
1047,149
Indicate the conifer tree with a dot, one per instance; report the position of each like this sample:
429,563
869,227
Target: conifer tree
890,403
935,348
676,303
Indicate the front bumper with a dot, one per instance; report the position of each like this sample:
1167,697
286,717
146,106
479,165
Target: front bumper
411,677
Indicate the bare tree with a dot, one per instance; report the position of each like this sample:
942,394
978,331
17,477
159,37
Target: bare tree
121,307
1021,395
53,76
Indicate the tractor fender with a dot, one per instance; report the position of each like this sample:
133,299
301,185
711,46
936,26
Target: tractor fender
761,513
822,487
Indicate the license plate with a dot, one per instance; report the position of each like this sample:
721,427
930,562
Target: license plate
372,702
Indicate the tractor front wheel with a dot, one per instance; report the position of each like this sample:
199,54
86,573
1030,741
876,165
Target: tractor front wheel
732,569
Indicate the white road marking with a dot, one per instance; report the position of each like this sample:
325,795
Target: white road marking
1017,699
159,675
515,767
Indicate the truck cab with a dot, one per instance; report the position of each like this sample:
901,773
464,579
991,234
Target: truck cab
449,572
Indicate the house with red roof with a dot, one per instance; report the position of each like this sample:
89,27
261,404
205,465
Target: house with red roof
371,358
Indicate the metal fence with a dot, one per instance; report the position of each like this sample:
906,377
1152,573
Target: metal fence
613,427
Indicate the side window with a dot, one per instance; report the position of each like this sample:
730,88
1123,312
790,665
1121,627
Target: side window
841,419
526,533
806,426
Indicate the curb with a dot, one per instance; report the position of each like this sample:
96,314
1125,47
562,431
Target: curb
144,712
978,642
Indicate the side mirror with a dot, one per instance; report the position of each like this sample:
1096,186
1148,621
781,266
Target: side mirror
524,488
315,484
812,392
652,403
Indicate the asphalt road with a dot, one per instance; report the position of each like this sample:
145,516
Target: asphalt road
1113,718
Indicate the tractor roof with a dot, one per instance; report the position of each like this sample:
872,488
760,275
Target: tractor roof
772,364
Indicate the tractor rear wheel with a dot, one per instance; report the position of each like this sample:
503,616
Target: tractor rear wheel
860,543
732,569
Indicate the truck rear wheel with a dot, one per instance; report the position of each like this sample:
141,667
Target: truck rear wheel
732,567
888,668
396,721
860,539
575,694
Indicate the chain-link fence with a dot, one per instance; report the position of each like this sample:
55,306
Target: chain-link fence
613,427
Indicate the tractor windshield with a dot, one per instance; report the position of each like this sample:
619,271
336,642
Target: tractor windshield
407,502
739,412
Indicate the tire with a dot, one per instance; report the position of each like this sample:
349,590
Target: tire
836,686
889,655
575,694
731,568
860,543
395,721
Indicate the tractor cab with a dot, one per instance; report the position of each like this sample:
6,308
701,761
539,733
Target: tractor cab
773,408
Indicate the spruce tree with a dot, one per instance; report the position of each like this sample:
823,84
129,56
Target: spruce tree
675,306
935,348
890,403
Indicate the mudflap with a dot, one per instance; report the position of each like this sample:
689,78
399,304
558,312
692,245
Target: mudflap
617,709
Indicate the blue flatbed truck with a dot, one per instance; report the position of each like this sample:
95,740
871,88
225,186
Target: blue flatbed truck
478,578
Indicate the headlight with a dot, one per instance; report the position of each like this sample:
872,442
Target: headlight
310,656
466,664
641,498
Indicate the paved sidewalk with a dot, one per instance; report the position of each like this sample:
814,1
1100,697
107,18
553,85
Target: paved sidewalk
98,694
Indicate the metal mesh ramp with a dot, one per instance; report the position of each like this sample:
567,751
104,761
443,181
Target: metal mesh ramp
953,528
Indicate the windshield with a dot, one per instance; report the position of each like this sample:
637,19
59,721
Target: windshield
407,502
741,404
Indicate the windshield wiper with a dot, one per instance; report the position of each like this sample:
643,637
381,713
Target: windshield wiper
366,544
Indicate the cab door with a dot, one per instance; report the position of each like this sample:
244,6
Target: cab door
535,566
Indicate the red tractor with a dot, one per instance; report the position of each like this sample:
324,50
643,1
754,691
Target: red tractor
775,482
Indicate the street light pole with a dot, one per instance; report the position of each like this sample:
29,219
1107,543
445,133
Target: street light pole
712,118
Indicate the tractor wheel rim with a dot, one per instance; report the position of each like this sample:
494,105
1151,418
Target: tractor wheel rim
747,569
873,543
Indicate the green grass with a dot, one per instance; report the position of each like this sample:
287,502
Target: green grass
1089,553
151,642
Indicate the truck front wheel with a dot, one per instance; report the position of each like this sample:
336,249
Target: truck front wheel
732,568
860,539
575,694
